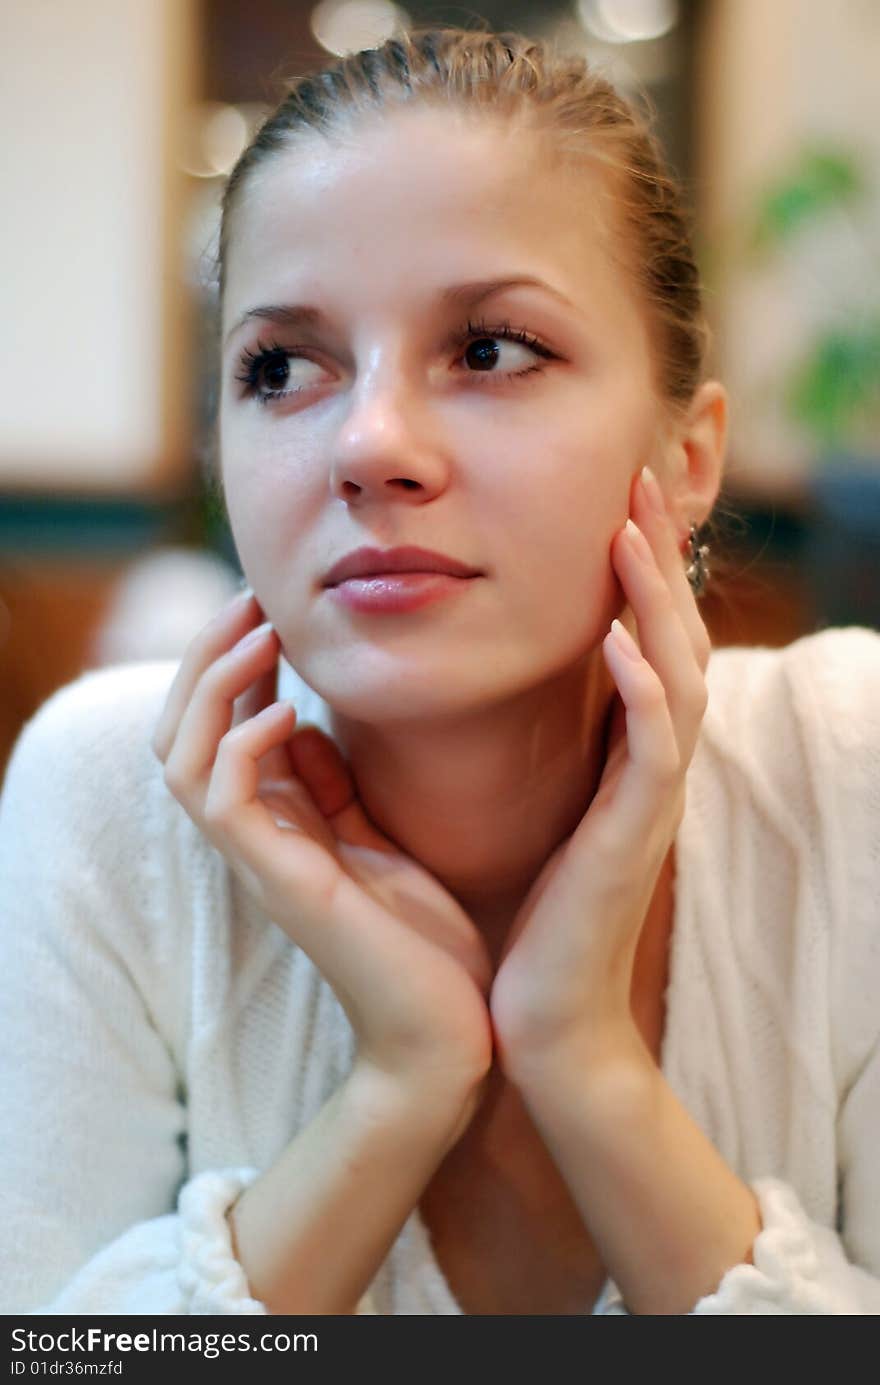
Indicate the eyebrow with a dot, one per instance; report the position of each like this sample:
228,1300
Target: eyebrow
299,314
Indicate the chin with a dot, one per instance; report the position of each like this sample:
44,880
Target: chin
378,690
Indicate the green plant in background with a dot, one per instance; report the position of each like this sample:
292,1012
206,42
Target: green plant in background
834,390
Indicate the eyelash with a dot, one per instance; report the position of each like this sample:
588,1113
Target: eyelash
252,362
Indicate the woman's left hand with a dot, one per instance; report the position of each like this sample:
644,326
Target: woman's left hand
564,978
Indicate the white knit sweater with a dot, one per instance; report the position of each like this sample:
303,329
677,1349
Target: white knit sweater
162,1040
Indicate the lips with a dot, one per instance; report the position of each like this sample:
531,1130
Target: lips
370,562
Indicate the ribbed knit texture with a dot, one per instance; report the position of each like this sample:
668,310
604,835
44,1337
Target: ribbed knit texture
163,1041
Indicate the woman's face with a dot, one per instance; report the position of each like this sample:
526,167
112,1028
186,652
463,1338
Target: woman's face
396,413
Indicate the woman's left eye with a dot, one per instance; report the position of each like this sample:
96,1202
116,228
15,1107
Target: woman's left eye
482,352
274,372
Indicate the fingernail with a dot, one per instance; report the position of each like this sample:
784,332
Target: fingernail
653,491
241,599
625,641
255,635
640,543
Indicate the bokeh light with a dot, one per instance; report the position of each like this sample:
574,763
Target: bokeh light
346,26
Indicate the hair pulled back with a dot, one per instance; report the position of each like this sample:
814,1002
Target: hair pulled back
511,77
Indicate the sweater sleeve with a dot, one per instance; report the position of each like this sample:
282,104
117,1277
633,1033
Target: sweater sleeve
799,1266
98,1211
802,1267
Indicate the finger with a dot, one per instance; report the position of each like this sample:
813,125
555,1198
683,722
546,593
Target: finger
653,518
317,760
220,634
262,693
298,848
235,776
663,640
296,855
646,791
650,734
208,716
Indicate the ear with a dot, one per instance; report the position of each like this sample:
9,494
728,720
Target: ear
695,458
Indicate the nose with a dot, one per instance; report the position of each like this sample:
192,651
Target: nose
384,452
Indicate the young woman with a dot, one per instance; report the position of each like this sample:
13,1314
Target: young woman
452,931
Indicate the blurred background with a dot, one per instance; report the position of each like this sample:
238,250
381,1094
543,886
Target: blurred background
122,119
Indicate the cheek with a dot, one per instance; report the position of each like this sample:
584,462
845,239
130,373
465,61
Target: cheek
266,497
562,513
551,538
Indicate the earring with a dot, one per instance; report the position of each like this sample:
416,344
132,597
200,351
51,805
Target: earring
697,572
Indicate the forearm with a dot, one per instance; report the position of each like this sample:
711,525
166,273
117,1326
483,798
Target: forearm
667,1214
312,1232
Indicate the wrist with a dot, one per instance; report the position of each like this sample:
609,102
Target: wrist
439,1107
588,1056
593,1103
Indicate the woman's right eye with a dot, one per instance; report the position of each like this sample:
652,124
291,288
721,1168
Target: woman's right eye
270,372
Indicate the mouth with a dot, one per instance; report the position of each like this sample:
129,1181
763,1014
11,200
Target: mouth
394,562
395,593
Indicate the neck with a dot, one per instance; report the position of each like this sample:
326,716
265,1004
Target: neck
481,800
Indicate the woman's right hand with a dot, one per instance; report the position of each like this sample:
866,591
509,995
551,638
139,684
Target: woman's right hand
407,964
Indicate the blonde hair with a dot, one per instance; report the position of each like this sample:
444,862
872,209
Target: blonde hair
508,76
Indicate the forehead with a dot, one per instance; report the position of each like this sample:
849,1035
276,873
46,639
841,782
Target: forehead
418,198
